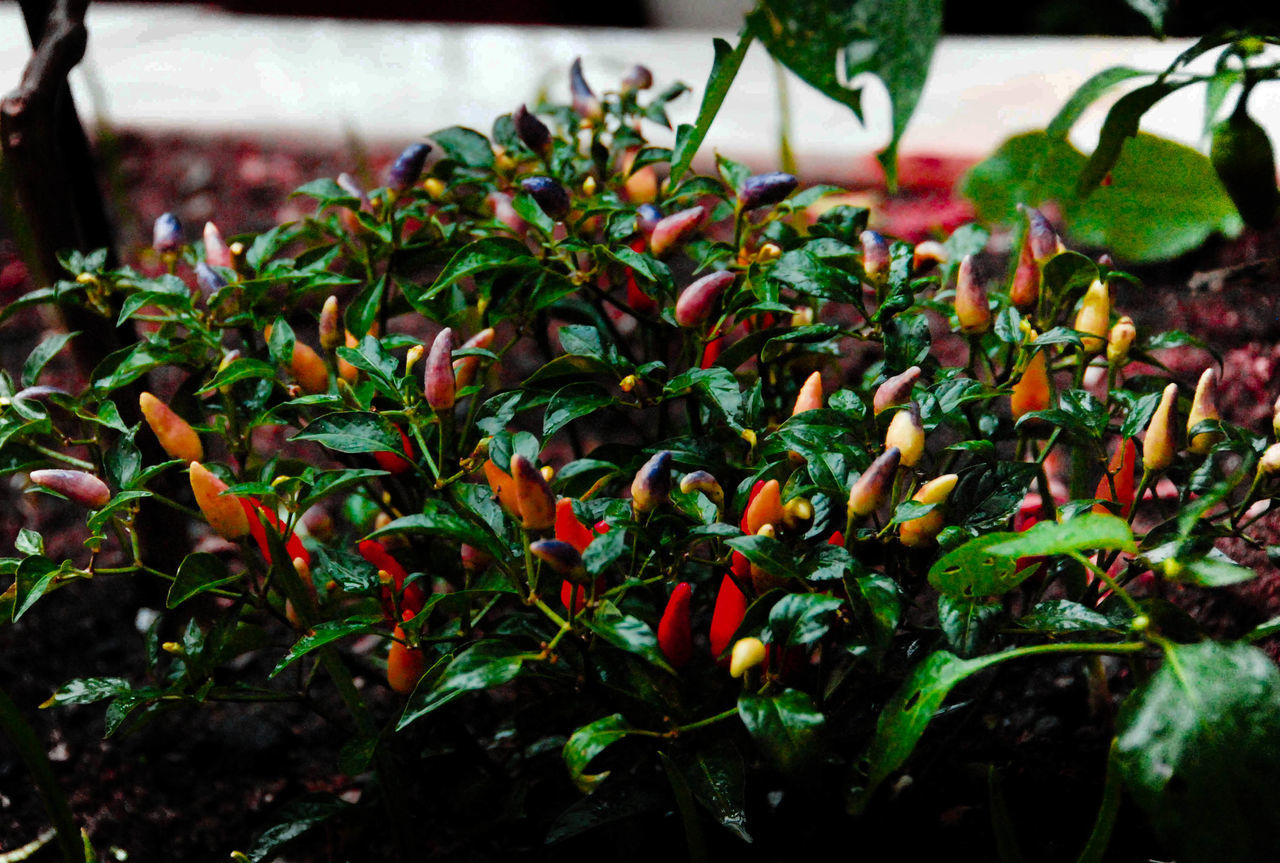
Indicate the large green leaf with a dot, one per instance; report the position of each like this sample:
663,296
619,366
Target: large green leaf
354,431
491,253
724,68
786,727
197,573
1084,532
1199,748
800,619
588,742
628,633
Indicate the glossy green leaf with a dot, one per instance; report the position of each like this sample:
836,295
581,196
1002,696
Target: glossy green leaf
353,431
1063,615
197,573
724,68
971,570
572,402
48,348
800,619
1121,124
324,633
438,518
486,255
786,726
967,622
627,633
1086,94
717,777
87,690
588,742
465,146
1091,531
767,553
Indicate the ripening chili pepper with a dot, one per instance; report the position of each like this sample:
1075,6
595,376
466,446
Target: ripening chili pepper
810,395
177,438
585,103
640,302
405,664
76,485
1024,293
875,254
761,579
407,167
1094,316
439,385
1120,339
871,489
895,391
797,514
972,309
1120,475
761,190
505,212
255,513
331,332
700,480
216,253
765,507
921,531
1241,154
906,433
569,529
393,462
208,280
412,596
1204,407
223,512
696,303
562,557
751,496
465,368
1032,392
637,78
730,609
534,500
675,229
531,131
711,352
928,255
1159,444
503,487
747,653
166,234
549,195
675,637
652,483
1041,236
1269,463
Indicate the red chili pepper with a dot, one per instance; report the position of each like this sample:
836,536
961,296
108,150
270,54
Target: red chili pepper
569,529
755,490
675,638
292,542
393,462
414,596
640,302
731,608
1120,468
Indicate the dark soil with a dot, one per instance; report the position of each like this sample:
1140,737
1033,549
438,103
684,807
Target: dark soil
196,784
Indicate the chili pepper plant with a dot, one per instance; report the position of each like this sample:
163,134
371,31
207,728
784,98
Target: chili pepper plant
574,497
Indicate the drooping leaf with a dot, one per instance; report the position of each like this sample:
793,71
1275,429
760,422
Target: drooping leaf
588,742
786,726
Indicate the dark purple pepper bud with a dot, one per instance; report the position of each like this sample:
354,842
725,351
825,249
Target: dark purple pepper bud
208,279
639,78
532,131
408,166
561,557
1041,235
761,190
875,254
585,103
549,195
652,484
647,218
166,236
696,302
438,380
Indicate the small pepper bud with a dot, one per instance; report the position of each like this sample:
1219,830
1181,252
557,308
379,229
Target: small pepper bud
1203,407
652,483
177,438
906,432
747,653
871,489
704,482
730,609
405,664
895,391
638,78
412,357
331,332
1032,392
439,384
166,234
585,103
875,254
533,133
761,190
76,485
1269,464
675,638
223,512
927,255
1120,340
208,280
675,229
227,359
1120,475
1024,293
972,309
696,302
216,253
407,167
1041,236
1158,446
1094,316
536,503
589,186
797,514
765,507
810,396
561,557
465,368
920,531
547,194
769,252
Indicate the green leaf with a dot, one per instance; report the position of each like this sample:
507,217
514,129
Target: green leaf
717,386
1062,615
1121,123
237,370
465,146
767,553
571,402
325,633
588,742
197,573
1030,169
45,351
786,726
717,777
34,576
1085,95
973,571
967,621
353,431
438,518
1088,531
326,192
1196,745
297,818
627,633
724,68
604,550
1211,571
800,619
87,690
486,255
483,665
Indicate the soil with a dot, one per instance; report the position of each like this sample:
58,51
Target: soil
196,784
